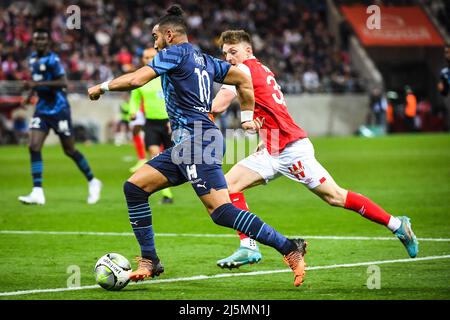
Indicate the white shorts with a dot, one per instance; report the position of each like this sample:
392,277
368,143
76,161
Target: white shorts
296,161
139,121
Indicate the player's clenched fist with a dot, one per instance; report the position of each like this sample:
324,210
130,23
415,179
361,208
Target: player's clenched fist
95,92
254,125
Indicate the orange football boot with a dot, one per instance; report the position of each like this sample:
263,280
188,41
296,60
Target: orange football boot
146,268
296,260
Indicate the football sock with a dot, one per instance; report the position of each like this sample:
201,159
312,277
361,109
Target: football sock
370,210
140,216
249,243
139,146
36,168
238,200
82,164
167,193
229,216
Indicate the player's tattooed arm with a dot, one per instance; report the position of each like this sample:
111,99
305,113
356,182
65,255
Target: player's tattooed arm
125,82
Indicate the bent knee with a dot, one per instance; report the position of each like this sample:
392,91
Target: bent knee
234,188
233,185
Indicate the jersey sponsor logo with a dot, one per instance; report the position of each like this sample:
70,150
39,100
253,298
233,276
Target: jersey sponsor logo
201,109
297,170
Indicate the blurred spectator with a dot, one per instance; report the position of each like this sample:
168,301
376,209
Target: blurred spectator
9,67
290,37
378,107
311,80
392,99
410,109
20,128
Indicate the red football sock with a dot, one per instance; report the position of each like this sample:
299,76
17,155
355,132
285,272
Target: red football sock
139,146
367,208
238,200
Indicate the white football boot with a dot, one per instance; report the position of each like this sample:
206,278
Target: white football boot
35,197
95,186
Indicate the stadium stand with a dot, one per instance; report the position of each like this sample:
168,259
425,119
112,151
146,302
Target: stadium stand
296,44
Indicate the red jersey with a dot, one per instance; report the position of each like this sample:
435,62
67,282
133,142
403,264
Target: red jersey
279,129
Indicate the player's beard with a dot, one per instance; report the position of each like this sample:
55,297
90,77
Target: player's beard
164,44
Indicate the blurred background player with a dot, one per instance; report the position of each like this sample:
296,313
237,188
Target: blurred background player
444,77
52,112
150,98
123,125
410,109
287,151
187,79
136,123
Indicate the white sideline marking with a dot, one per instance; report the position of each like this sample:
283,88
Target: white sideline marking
227,275
205,235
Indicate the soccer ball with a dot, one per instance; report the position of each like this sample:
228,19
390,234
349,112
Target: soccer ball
112,271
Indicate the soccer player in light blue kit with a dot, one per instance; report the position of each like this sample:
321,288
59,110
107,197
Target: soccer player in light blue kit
187,77
52,112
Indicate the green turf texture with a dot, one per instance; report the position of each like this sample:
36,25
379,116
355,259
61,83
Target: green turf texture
406,174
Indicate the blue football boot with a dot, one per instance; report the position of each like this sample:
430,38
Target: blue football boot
407,237
240,257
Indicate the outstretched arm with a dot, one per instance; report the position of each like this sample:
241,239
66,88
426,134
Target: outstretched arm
125,82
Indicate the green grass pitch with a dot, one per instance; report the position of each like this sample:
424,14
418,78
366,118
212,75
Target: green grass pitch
407,175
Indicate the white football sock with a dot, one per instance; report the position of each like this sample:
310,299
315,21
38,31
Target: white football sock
394,223
249,243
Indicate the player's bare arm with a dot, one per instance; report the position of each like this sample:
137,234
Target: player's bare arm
246,97
222,101
60,82
244,88
125,82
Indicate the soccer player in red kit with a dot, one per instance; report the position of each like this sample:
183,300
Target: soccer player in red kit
287,151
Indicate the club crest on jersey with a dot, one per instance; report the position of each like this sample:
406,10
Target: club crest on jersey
298,170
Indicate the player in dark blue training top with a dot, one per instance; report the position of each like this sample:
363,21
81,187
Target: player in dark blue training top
52,112
187,77
444,78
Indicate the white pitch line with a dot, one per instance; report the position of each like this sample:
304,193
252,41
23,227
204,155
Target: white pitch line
228,275
205,235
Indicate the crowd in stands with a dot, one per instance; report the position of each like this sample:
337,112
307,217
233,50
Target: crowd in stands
290,36
441,10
